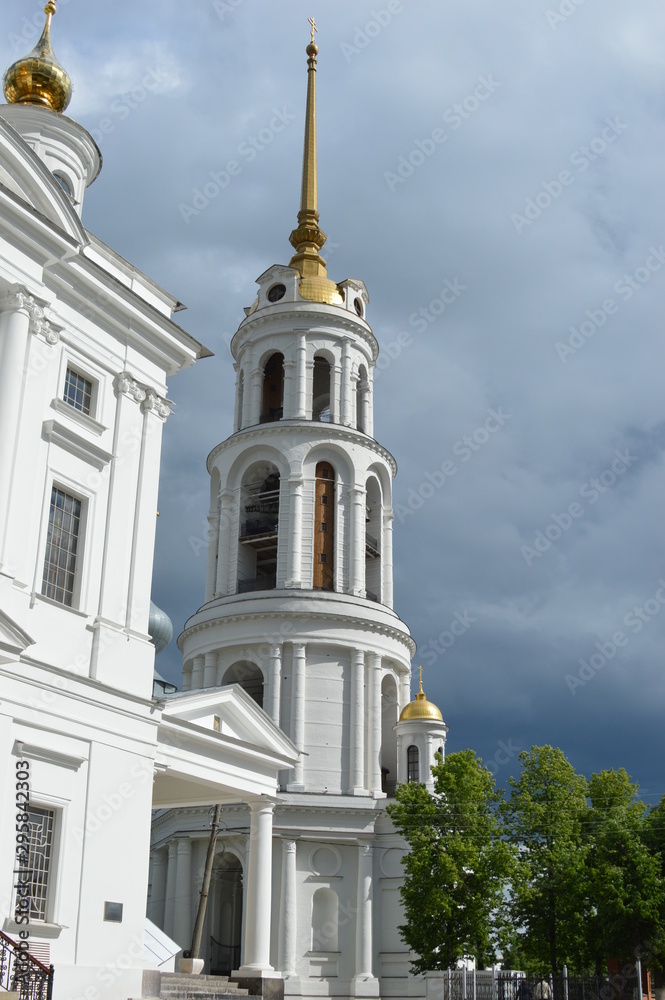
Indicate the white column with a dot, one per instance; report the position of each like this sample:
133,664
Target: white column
387,558
335,400
364,917
369,426
258,899
226,583
301,377
182,922
374,722
290,390
365,407
357,756
210,669
197,673
255,396
14,333
346,384
289,912
158,888
358,497
294,560
213,551
296,783
274,683
187,676
426,764
405,690
171,874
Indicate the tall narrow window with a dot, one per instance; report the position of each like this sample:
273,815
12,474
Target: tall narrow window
412,764
78,391
324,528
62,541
273,389
41,824
259,525
321,390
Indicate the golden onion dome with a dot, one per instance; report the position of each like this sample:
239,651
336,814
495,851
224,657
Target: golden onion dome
39,78
420,707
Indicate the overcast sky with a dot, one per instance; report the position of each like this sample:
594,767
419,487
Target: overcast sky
494,173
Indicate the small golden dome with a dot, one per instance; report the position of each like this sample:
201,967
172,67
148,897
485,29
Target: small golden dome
39,78
420,708
318,289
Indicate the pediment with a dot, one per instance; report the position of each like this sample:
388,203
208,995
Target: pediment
24,174
13,638
231,712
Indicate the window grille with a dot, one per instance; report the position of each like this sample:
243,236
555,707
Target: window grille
64,525
41,823
78,391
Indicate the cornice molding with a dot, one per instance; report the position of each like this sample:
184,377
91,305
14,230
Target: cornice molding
314,427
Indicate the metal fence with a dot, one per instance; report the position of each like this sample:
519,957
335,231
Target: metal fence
493,984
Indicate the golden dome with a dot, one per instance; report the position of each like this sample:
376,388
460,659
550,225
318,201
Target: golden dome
318,289
39,78
420,708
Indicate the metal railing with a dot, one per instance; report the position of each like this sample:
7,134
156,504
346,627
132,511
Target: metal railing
260,583
21,973
460,984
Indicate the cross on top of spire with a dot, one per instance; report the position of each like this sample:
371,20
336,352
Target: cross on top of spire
313,24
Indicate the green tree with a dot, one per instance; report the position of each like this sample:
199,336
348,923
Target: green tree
457,866
543,817
653,950
623,875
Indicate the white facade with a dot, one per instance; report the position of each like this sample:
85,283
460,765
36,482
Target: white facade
86,345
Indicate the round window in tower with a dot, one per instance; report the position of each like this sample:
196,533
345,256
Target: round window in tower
276,293
358,305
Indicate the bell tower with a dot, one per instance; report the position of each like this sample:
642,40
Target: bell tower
299,612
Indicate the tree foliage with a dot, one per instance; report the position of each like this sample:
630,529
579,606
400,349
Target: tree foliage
563,871
457,865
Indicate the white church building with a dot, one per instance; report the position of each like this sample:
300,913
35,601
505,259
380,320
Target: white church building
295,713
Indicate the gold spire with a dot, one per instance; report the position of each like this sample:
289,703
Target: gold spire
39,78
420,707
308,238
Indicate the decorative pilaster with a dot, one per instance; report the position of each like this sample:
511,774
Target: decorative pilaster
158,887
15,321
197,673
171,874
374,755
294,560
258,906
358,498
254,414
364,983
387,558
274,683
301,377
298,714
290,390
289,913
346,383
182,923
335,390
357,757
210,669
187,676
224,585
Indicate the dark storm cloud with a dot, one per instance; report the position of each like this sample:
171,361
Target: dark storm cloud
511,148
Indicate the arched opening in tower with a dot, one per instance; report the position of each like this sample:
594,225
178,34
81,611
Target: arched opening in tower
249,677
373,528
272,407
325,920
324,528
259,523
321,389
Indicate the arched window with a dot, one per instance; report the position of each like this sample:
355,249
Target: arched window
325,920
321,390
273,389
259,521
412,764
249,677
324,528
